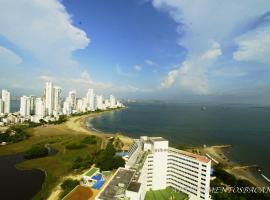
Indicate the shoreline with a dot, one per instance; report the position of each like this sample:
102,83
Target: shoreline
249,172
77,126
218,152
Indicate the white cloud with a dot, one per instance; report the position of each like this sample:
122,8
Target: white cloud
170,79
203,22
9,57
192,75
254,46
137,67
43,28
214,52
150,62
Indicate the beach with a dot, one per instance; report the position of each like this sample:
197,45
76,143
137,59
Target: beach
78,125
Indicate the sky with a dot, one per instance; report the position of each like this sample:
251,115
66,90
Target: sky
174,50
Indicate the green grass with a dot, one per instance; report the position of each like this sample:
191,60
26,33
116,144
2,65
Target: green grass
91,171
106,174
56,166
165,194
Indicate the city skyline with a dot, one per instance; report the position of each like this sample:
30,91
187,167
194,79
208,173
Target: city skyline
143,49
51,106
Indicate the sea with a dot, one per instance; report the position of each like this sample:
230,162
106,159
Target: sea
245,127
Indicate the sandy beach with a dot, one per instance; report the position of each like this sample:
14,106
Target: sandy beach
77,125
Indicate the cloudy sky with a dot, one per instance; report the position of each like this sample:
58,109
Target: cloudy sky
182,50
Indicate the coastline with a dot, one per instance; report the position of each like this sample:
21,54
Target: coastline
76,126
218,152
249,172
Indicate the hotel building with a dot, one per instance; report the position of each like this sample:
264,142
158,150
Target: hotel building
153,165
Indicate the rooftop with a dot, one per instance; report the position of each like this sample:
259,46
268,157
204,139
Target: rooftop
134,186
191,155
118,185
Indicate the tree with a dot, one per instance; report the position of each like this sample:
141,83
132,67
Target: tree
36,151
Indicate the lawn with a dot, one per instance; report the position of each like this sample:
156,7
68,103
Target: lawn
91,171
56,166
166,194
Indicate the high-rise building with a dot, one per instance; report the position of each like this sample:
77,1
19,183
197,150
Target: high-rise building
49,99
25,106
90,99
6,101
112,101
32,104
153,165
1,106
39,107
99,102
72,99
57,100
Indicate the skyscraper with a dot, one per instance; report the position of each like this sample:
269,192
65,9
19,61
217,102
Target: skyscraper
49,100
112,101
25,106
39,107
90,99
99,102
1,106
6,101
72,99
57,99
32,104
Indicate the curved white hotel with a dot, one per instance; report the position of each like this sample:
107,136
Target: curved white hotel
153,165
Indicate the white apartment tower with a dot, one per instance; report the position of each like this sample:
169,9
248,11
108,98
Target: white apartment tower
72,99
1,106
32,104
99,102
112,101
39,107
57,100
25,106
6,101
49,99
90,99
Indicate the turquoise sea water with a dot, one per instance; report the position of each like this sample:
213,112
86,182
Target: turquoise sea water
247,128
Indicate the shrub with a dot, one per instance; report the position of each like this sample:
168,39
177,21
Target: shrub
72,146
90,140
82,163
68,185
36,151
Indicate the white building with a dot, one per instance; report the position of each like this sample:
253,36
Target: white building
1,106
39,108
32,104
57,100
72,99
80,105
90,99
25,106
112,101
99,102
49,99
153,165
6,101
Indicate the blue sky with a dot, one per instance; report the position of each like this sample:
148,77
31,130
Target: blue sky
210,50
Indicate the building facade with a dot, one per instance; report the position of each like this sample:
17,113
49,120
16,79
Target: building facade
6,101
155,166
